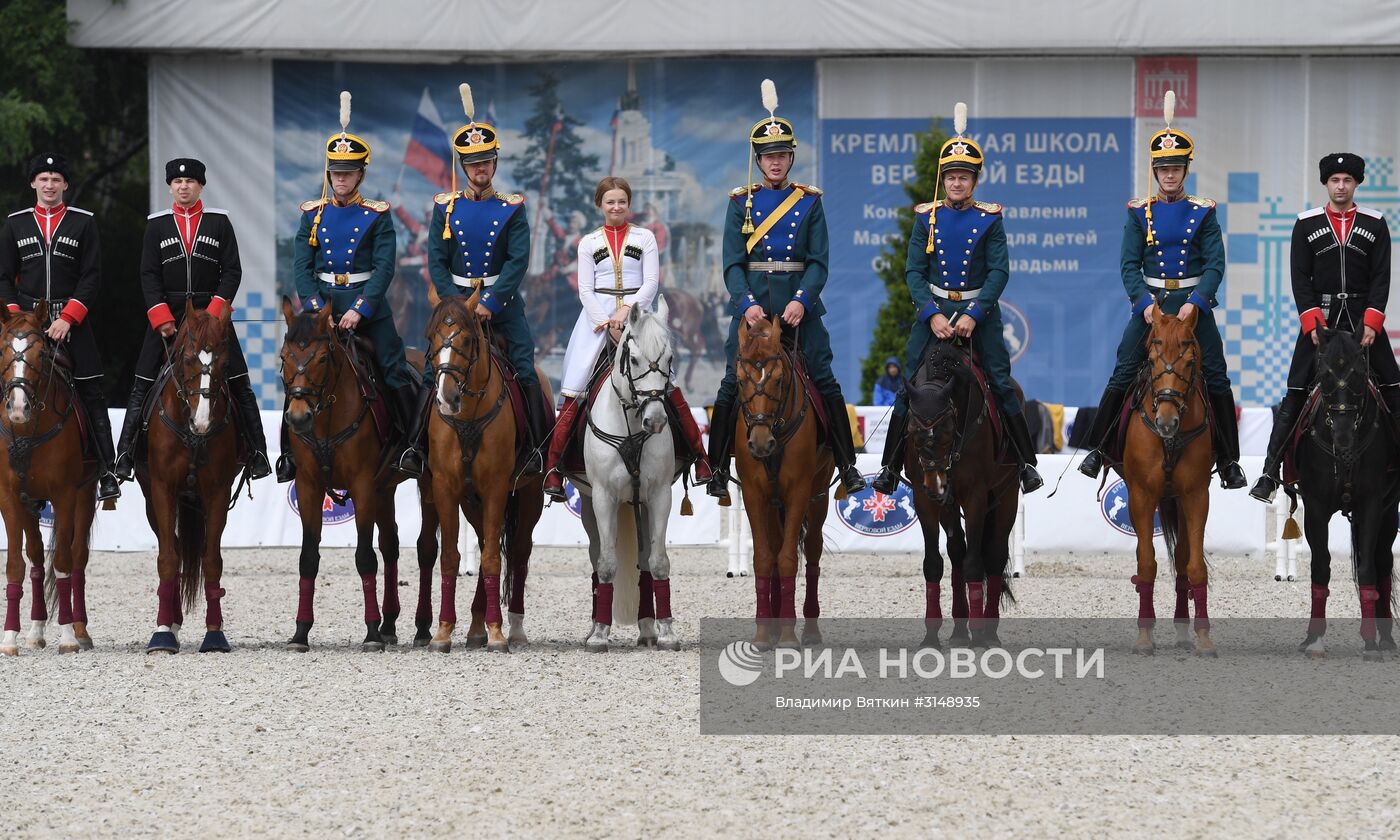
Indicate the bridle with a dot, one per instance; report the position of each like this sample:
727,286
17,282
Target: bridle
471,429
946,367
20,448
1344,387
1173,445
629,446
185,394
321,396
23,384
778,424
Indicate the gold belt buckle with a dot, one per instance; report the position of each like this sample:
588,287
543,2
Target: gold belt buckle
342,279
1173,285
954,295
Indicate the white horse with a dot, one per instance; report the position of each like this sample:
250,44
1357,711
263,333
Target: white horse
631,462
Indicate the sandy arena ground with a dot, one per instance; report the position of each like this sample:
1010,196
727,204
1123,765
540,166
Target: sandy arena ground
553,741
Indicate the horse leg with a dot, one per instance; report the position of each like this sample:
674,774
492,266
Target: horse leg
1316,521
929,513
216,501
1385,567
82,531
310,496
646,588
795,501
1365,524
449,521
14,513
1192,509
812,553
493,513
389,550
38,608
529,506
1142,506
951,521
427,561
974,571
759,511
164,512
1000,525
605,510
590,527
476,631
659,562
1181,616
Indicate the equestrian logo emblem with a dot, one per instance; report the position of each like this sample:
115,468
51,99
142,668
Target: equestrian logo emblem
875,514
46,516
331,512
1115,510
740,663
573,499
1015,330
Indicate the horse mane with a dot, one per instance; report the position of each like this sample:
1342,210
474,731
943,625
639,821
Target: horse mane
455,306
201,330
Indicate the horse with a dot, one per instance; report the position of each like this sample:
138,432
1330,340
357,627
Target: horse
686,315
335,444
785,473
1346,461
1167,461
630,464
957,476
473,450
44,449
187,477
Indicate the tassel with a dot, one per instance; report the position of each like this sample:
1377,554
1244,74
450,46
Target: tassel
1291,531
841,494
316,222
451,202
687,509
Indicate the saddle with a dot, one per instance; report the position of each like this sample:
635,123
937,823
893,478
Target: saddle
370,381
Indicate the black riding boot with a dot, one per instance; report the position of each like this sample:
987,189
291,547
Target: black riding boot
250,423
721,445
286,467
131,426
842,446
413,413
1284,422
1020,435
537,427
1227,442
888,479
1105,421
90,392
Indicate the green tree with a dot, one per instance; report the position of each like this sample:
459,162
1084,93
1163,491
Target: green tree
897,312
554,162
90,106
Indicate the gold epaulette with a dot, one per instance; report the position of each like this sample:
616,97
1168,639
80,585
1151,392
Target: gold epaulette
443,198
988,206
308,206
808,188
923,208
1199,201
374,204
738,191
511,198
1135,203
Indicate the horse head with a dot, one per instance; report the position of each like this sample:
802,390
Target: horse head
937,402
199,362
22,359
641,373
764,381
456,344
1173,365
308,366
1342,381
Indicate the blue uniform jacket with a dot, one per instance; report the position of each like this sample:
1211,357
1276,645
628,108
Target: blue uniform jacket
1187,243
490,238
800,235
969,259
356,238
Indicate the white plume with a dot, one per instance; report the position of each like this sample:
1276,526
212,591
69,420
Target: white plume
344,109
1169,107
468,106
960,118
770,96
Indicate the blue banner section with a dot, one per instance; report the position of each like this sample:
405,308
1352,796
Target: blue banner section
1064,183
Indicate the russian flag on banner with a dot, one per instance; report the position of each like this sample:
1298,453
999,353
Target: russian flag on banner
429,149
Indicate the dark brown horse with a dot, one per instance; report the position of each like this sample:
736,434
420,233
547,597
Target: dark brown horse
685,315
1167,463
474,450
44,460
785,471
187,477
335,444
955,470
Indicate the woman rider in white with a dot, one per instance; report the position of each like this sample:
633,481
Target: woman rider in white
618,268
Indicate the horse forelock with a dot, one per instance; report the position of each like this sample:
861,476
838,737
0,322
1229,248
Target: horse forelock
201,330
304,326
650,332
454,307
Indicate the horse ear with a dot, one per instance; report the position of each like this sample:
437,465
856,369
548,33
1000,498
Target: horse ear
288,313
743,329
41,311
5,313
634,313
433,297
475,299
1191,319
326,318
189,307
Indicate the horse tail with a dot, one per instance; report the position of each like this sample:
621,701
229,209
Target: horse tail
627,599
50,576
189,541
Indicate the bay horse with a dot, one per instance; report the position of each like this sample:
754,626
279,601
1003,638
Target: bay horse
630,463
1167,461
1346,461
473,452
686,315
187,477
785,473
958,479
335,444
44,460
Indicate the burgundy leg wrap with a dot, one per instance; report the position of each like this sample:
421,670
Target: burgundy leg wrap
603,603
1147,613
491,586
1198,597
425,594
1369,596
517,588
775,594
13,592
933,608
213,610
306,593
787,588
995,584
65,600
646,588
811,605
959,595
448,615
80,597
167,596
38,610
1183,588
763,588
479,597
975,599
1317,621
369,584
391,589
662,589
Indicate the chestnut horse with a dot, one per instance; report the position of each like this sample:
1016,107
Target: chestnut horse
1167,462
187,477
954,469
44,460
473,451
785,472
335,444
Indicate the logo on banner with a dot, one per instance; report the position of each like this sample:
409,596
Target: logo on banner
1156,76
573,499
46,516
876,515
331,513
1115,510
1015,330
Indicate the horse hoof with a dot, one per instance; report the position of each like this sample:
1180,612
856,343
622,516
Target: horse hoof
1387,644
1292,577
1278,577
421,641
371,647
646,641
1185,645
68,647
9,650
931,641
1207,653
1372,656
298,647
476,641
36,644
440,647
497,647
85,644
729,574
596,645
811,638
1145,650
163,641
671,644
390,639
214,642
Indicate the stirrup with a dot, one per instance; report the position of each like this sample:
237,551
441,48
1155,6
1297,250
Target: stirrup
108,487
286,470
258,466
1265,488
1092,464
1030,479
410,463
718,485
887,482
125,469
851,480
1232,476
554,486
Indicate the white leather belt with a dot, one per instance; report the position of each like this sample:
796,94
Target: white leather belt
1171,284
771,265
617,292
468,282
950,294
346,279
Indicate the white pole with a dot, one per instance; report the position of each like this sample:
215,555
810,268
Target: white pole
1280,546
1018,541
745,537
466,543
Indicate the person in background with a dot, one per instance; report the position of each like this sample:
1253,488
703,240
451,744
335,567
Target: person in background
887,387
